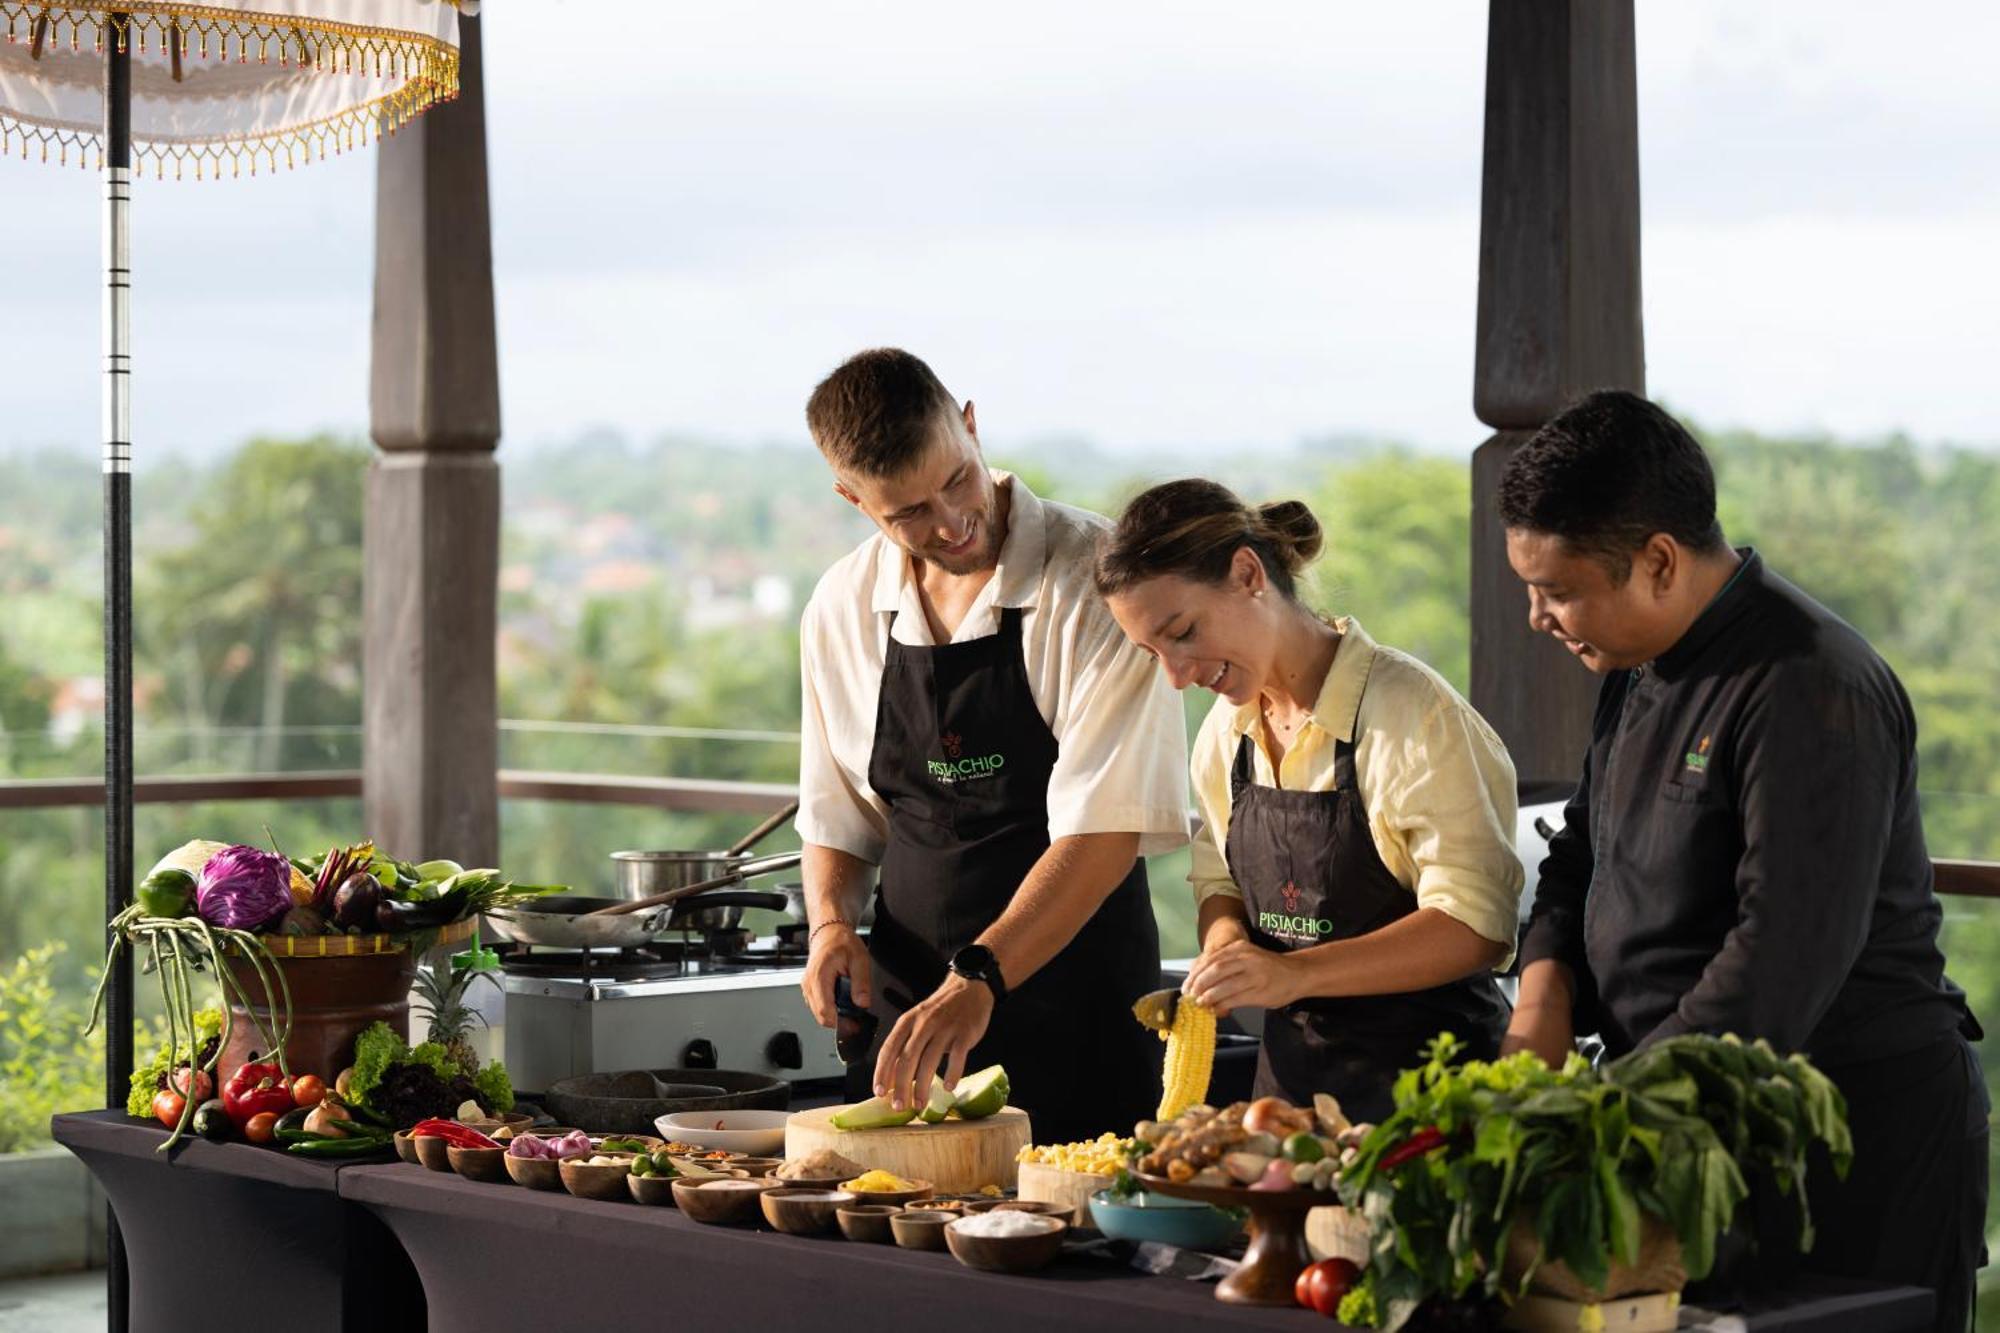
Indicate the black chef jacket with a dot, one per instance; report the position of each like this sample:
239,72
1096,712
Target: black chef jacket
1744,852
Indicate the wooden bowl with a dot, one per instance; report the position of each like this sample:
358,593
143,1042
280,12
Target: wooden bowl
1005,1254
406,1147
656,1190
710,1201
919,1229
492,1124
919,1189
487,1164
867,1221
1062,1212
764,1166
603,1183
812,1183
714,1158
537,1173
432,1152
803,1212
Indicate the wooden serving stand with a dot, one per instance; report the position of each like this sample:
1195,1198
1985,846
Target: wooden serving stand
1277,1250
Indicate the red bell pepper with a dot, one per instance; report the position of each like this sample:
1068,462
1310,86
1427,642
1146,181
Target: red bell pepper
457,1135
255,1088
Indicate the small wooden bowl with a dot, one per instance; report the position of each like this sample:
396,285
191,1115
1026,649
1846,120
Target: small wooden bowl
714,1160
655,1190
406,1147
920,1229
487,1164
537,1173
803,1212
1006,1254
433,1152
1062,1212
919,1189
720,1206
813,1183
867,1221
764,1166
515,1122
603,1183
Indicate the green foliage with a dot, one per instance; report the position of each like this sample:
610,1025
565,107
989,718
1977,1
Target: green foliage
46,1064
1579,1156
375,1050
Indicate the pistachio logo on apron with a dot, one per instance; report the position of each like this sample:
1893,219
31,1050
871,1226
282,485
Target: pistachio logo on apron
957,766
1289,925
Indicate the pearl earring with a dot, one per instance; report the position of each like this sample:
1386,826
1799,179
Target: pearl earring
1258,593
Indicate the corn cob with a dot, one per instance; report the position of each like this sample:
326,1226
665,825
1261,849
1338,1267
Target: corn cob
1190,1058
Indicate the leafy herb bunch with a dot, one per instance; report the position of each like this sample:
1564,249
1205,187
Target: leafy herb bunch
1578,1155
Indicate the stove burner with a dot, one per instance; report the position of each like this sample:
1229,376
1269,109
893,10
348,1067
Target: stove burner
669,956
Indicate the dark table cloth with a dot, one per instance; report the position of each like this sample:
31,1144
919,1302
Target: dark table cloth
499,1256
226,1235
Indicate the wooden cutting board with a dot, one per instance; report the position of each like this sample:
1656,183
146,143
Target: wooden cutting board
956,1156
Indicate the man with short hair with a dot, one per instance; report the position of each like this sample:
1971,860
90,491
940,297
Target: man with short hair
977,725
1744,852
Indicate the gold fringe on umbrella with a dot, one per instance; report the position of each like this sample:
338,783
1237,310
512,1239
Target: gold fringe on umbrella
426,67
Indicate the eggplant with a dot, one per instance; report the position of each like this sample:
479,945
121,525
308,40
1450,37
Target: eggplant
392,915
355,900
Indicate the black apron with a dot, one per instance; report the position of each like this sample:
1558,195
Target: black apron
1310,873
962,758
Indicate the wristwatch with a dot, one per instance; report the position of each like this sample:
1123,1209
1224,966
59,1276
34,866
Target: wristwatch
975,962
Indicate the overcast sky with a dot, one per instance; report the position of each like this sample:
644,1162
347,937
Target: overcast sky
1117,220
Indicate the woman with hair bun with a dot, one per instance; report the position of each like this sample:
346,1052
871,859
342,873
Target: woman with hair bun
1356,876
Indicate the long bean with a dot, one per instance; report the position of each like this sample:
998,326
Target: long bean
222,988
173,1025
253,949
184,987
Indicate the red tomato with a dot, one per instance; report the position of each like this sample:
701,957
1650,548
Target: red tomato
308,1090
262,1127
167,1107
1320,1286
204,1086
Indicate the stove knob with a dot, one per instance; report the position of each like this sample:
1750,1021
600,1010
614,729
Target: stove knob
784,1051
698,1054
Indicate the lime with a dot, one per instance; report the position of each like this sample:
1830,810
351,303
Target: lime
167,892
1303,1147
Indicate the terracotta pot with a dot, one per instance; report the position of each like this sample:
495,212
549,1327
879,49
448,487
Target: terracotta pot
333,999
1658,1271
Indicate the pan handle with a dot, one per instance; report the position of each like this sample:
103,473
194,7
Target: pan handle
762,831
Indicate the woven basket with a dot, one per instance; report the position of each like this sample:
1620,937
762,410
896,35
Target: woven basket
1659,1268
351,946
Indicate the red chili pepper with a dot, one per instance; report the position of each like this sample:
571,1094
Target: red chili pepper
253,1089
1423,1141
459,1136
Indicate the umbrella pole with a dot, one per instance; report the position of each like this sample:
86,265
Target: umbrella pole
117,600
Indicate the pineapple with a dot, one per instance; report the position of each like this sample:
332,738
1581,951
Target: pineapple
441,994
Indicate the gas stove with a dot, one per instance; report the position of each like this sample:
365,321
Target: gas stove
726,1000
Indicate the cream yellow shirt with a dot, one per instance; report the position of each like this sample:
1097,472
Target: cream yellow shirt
1122,760
1437,783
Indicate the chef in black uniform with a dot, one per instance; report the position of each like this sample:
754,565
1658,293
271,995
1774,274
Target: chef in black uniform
974,723
1355,873
1743,852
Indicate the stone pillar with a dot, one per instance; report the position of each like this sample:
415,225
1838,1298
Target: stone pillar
432,535
1559,315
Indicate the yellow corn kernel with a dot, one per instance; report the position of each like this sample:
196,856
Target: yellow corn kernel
1190,1058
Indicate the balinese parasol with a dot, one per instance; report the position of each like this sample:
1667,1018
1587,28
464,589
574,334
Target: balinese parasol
192,90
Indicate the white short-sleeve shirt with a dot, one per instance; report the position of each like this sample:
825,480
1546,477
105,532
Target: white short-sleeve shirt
1122,759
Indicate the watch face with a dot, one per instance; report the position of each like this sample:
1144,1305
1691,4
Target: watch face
973,960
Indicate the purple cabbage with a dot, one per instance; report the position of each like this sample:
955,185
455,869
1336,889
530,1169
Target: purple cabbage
244,888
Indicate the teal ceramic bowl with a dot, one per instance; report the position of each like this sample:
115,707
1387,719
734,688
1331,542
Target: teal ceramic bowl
1179,1222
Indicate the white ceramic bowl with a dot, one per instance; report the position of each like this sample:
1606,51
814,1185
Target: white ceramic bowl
759,1133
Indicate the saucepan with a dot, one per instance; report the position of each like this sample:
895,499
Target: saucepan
575,921
643,876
